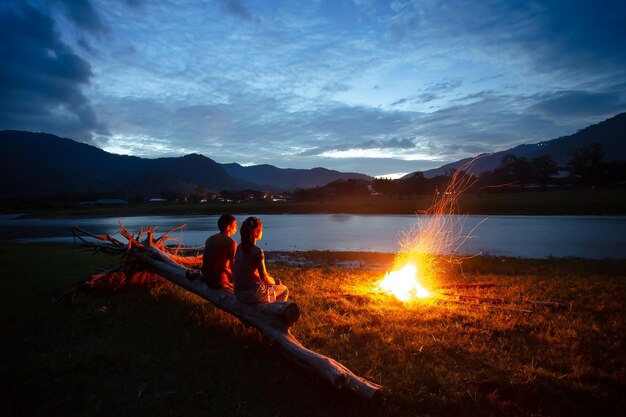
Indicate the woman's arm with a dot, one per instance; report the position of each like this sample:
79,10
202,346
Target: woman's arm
265,276
260,265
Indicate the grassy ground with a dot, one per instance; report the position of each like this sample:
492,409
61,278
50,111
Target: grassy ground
557,202
159,351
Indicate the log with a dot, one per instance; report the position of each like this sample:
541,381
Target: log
272,320
279,314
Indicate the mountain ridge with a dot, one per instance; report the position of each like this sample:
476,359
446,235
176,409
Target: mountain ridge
36,164
284,177
611,133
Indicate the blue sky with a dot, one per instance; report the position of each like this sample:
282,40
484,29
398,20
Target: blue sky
376,87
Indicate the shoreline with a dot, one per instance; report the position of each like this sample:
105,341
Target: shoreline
369,260
584,202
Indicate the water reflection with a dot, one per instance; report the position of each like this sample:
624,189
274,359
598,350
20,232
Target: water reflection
522,236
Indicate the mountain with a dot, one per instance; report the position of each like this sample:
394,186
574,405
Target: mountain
42,164
611,133
38,164
271,177
184,174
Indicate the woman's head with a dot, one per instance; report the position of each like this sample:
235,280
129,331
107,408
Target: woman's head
251,230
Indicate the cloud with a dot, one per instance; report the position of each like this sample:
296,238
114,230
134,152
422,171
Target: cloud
574,38
257,129
580,103
83,15
135,3
393,143
41,78
375,166
555,37
583,33
237,9
431,92
87,47
403,27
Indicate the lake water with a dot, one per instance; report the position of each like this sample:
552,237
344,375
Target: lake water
594,237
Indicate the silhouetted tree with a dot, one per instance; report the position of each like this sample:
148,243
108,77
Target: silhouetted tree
586,164
544,167
511,170
416,184
309,194
201,192
168,195
385,186
616,171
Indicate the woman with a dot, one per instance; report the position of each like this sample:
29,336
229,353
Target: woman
253,284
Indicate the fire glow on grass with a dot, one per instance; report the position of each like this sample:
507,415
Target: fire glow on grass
438,231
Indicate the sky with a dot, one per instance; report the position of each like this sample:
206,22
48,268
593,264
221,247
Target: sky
375,87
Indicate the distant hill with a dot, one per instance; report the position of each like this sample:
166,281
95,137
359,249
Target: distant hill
40,163
37,164
611,133
271,177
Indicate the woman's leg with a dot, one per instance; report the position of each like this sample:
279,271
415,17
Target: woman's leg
253,296
281,292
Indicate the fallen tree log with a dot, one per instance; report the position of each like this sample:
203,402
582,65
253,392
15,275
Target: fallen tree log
271,320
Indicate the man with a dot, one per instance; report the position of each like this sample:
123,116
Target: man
219,254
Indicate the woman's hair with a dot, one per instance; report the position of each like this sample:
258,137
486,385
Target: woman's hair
251,224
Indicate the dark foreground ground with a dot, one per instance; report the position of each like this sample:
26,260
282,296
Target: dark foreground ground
159,351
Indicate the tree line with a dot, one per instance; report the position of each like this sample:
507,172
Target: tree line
586,167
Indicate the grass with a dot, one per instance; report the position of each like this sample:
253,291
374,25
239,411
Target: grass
160,351
556,202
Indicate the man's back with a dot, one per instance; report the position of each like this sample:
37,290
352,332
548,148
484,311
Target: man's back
219,252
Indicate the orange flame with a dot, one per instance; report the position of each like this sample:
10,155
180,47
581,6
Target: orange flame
439,230
403,284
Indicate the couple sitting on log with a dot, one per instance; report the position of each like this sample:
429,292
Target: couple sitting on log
242,268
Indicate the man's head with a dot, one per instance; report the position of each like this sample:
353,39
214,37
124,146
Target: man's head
227,224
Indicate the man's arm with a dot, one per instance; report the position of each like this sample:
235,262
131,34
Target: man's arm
228,268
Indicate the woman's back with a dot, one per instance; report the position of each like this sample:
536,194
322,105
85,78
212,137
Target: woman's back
245,271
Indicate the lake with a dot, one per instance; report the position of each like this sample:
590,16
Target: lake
593,237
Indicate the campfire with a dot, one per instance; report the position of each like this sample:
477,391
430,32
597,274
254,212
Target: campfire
437,232
404,284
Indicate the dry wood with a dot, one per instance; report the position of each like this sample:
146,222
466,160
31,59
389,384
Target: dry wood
272,320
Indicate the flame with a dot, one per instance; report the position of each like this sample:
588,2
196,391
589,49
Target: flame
403,284
437,231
